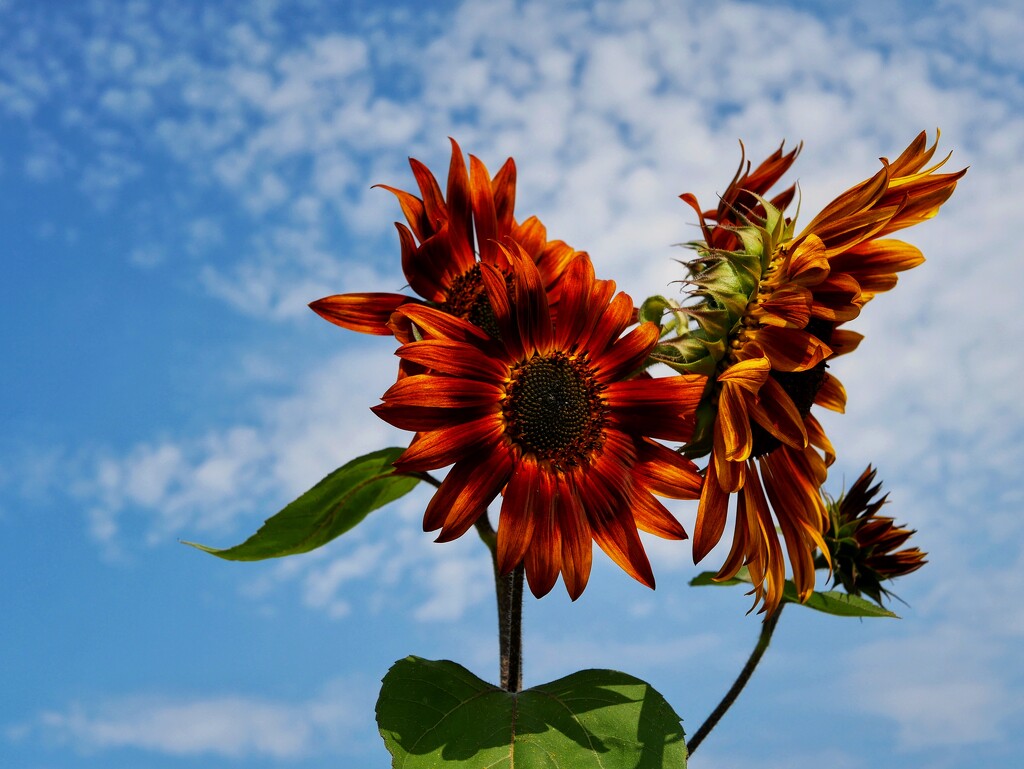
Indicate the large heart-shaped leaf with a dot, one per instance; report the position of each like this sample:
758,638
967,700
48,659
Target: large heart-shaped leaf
332,507
433,713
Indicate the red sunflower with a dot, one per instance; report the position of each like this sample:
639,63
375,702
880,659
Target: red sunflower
768,313
545,413
444,244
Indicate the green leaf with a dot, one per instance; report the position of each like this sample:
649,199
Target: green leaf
830,602
329,509
838,604
706,578
434,713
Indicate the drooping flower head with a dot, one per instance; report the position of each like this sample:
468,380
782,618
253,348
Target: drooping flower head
444,244
546,413
767,313
863,545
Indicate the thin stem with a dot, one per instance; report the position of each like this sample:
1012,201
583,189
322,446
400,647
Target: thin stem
509,592
734,691
514,681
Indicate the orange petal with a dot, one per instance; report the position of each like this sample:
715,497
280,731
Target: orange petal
791,349
666,472
711,515
832,395
844,341
654,518
749,374
733,424
776,413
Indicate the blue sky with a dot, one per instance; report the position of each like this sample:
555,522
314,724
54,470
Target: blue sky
178,180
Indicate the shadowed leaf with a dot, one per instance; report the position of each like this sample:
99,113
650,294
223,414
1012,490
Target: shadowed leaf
433,713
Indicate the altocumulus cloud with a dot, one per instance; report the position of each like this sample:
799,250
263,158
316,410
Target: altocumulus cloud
229,726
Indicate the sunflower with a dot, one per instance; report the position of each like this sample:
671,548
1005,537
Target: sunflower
767,306
440,248
863,544
547,413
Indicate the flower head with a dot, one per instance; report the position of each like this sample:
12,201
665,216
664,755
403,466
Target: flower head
549,413
447,238
863,545
769,303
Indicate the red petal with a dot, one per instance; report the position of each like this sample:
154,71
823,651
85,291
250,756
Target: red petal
480,479
543,559
485,217
627,354
577,541
439,324
368,313
448,356
504,190
516,523
433,201
442,392
426,267
460,212
453,443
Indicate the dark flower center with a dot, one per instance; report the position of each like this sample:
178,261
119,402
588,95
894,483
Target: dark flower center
801,386
467,299
553,408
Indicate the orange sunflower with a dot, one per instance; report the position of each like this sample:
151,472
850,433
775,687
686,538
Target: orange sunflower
767,316
545,412
440,248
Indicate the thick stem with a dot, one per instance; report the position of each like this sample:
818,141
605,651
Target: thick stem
509,592
734,691
512,679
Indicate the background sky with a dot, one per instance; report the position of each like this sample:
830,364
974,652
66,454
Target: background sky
179,179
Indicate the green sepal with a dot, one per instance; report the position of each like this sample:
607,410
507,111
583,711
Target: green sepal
831,602
654,310
437,713
329,509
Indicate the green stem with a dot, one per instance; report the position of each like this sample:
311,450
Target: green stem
734,691
509,592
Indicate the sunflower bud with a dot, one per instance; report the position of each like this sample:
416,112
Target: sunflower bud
864,545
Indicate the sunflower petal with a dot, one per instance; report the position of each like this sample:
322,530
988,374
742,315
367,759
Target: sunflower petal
368,313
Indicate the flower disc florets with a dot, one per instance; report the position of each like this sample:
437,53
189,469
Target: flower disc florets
553,408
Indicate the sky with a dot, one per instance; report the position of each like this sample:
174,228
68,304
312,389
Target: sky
179,179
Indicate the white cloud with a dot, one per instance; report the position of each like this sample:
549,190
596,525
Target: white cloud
163,488
942,689
228,726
